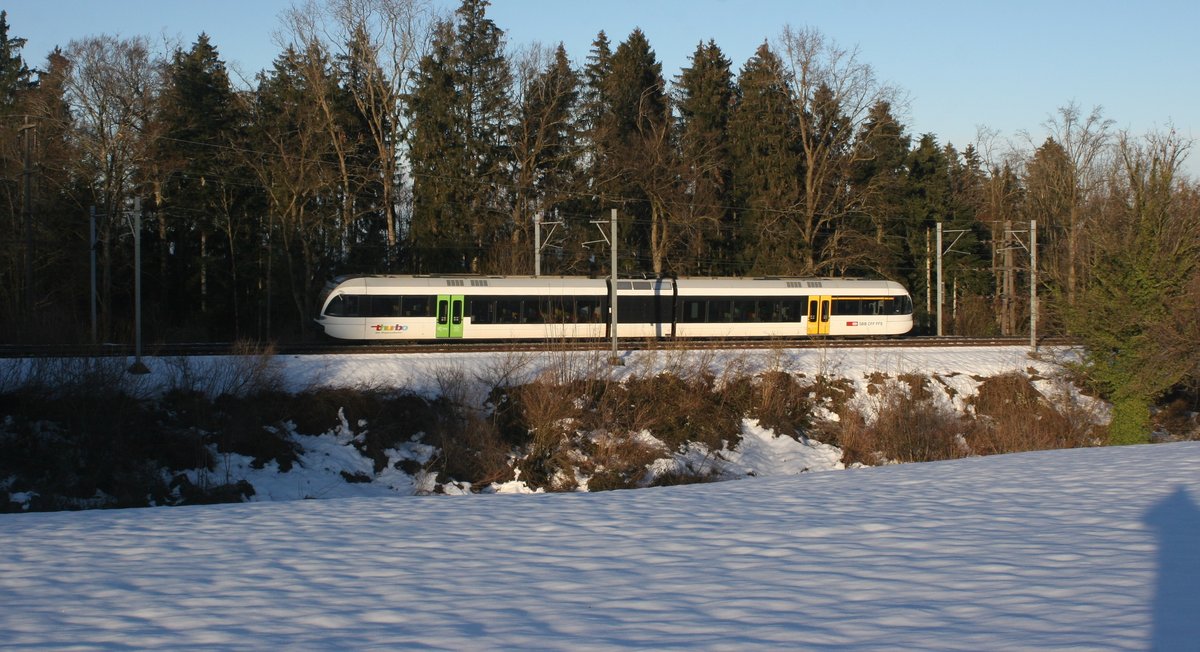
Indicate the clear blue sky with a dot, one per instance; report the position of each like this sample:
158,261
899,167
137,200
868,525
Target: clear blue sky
1004,64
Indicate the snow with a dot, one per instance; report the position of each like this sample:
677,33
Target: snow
424,372
1078,549
1051,550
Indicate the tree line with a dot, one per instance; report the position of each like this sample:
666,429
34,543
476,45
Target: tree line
389,138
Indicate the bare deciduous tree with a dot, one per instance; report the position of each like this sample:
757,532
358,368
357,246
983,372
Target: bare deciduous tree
382,41
544,143
1062,178
112,85
836,92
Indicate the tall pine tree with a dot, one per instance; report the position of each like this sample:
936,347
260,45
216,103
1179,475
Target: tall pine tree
460,114
705,93
767,168
199,195
640,170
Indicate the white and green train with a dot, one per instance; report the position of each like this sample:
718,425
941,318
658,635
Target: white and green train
418,308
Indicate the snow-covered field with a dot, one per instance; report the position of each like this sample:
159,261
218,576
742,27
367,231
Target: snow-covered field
1084,549
1090,549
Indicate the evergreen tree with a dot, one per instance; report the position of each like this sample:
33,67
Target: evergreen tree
201,229
941,188
596,116
596,165
1001,205
14,74
485,82
638,172
461,113
968,270
767,167
59,206
706,93
293,160
439,233
1137,315
16,254
925,204
546,151
879,177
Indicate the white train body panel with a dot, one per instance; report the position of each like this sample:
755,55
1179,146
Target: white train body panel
399,308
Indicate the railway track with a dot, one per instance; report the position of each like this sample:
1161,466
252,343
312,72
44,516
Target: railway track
242,348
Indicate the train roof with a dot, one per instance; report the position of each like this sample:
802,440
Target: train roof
787,282
453,281
816,284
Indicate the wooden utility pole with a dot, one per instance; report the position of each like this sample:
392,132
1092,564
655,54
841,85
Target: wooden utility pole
1033,281
1009,321
138,367
27,130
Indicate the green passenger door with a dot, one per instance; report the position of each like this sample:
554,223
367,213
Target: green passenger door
450,316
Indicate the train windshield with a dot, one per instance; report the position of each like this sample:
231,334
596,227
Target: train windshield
326,291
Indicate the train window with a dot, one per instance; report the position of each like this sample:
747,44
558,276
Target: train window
348,305
746,311
590,309
719,310
417,306
336,307
482,310
384,306
791,310
847,307
768,310
531,312
556,309
873,306
508,311
692,311
643,310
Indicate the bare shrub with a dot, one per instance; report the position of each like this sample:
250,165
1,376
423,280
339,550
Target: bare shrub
851,434
834,393
69,377
974,317
250,368
775,398
905,427
91,447
257,429
1013,416
677,411
507,370
317,411
621,461
1177,420
548,412
471,449
400,418
471,445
